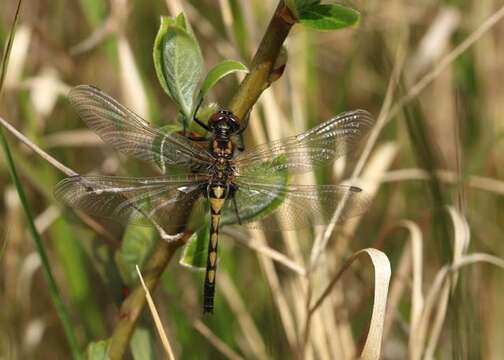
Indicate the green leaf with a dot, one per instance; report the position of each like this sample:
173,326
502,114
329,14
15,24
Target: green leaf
178,62
97,350
328,17
136,245
218,72
157,51
141,344
296,6
195,252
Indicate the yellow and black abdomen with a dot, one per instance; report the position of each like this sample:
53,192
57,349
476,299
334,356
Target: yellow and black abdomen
217,194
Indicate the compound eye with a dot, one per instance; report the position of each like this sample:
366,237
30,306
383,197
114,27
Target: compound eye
235,124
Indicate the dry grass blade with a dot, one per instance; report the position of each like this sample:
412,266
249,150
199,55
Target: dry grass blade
461,233
53,289
215,341
8,47
417,297
321,242
252,335
66,170
478,182
157,320
131,83
416,89
18,56
434,41
439,286
265,250
278,294
461,243
175,7
96,38
382,272
411,263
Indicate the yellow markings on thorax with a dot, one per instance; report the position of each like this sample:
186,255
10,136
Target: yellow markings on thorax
215,146
229,149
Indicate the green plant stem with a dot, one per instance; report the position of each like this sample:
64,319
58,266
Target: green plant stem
134,304
249,91
257,79
53,289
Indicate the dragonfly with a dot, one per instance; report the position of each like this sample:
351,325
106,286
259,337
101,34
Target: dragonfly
209,180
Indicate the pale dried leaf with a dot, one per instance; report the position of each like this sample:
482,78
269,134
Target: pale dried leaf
45,89
18,55
132,89
372,347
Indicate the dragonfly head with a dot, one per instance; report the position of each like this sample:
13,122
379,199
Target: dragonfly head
224,122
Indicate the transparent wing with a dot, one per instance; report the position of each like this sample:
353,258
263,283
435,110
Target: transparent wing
293,206
132,135
318,146
169,201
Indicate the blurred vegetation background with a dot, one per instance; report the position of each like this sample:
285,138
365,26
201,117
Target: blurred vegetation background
453,128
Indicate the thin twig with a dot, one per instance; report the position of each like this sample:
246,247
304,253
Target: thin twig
416,89
266,251
478,182
132,307
320,244
215,341
257,80
64,169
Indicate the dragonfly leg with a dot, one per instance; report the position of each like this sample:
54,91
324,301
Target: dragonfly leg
197,138
198,121
240,143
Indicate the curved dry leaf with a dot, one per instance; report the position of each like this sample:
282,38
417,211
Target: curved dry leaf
382,272
416,239
461,233
372,347
461,242
411,264
439,286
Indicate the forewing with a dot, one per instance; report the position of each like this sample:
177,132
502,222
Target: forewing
132,135
288,207
169,201
318,146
